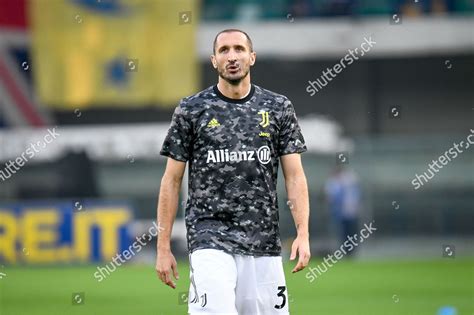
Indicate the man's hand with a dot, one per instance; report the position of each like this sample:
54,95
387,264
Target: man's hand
300,246
165,263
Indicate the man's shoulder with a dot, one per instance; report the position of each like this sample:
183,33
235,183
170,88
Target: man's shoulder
280,98
198,98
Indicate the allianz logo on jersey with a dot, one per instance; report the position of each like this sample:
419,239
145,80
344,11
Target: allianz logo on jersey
263,155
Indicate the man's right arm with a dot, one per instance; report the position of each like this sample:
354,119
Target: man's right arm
166,214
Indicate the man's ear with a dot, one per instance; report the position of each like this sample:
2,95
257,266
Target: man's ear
253,57
214,62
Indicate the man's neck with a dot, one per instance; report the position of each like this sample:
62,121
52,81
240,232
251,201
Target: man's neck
238,91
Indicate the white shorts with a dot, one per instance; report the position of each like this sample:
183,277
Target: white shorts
227,284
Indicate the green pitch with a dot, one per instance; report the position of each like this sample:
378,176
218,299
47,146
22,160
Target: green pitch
379,288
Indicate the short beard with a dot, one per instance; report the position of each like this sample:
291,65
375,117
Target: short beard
234,81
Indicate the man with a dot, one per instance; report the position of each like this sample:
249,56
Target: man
232,134
343,194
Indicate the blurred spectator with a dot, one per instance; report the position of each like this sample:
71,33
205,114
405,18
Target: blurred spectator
302,8
339,7
343,195
435,7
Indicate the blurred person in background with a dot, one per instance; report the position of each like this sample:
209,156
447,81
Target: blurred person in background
343,196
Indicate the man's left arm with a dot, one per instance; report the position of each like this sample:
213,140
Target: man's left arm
297,191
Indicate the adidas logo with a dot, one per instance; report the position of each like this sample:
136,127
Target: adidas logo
213,123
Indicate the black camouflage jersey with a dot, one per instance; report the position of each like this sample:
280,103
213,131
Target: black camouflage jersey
232,147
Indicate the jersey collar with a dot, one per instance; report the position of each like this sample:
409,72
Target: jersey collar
234,100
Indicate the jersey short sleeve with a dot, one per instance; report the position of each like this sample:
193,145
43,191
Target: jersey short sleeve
177,144
290,139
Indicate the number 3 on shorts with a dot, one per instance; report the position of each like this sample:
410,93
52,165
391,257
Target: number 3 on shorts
281,293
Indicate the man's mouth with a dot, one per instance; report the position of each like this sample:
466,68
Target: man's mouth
233,68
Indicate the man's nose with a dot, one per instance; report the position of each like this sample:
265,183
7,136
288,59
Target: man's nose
232,57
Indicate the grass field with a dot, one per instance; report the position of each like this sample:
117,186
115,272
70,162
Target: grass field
379,288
